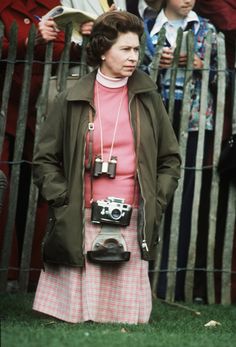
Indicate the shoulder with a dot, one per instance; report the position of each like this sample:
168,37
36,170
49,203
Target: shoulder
5,4
205,24
140,82
48,4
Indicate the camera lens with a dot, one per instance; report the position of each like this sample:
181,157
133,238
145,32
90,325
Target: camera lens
116,214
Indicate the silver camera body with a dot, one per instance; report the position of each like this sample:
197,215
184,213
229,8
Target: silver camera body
111,210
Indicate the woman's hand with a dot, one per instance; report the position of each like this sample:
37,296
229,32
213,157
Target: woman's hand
86,28
47,31
166,58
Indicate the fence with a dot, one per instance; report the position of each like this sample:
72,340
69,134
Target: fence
157,270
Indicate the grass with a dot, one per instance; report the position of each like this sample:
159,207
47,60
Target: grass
169,327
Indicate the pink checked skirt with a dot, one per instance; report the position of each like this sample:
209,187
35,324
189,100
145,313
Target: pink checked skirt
116,294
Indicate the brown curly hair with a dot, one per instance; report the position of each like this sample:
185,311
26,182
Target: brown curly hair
106,30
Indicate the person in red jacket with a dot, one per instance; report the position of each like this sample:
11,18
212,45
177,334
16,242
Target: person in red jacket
25,13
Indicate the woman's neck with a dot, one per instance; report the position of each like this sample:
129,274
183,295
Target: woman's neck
111,82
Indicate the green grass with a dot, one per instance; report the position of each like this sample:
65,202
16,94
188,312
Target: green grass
169,327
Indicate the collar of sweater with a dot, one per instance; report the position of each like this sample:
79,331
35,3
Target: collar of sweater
110,82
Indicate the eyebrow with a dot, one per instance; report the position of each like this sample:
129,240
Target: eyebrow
128,46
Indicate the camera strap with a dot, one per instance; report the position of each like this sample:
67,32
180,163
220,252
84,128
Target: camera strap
116,123
90,148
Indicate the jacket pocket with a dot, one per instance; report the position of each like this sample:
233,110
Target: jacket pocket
156,226
49,229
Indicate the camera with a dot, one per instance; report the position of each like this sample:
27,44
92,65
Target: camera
111,210
105,167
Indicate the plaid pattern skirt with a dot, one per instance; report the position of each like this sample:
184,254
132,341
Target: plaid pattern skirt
111,293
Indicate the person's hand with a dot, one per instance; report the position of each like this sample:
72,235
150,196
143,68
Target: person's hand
47,31
182,60
166,58
197,62
86,28
113,8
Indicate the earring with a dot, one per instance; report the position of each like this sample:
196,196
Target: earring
102,57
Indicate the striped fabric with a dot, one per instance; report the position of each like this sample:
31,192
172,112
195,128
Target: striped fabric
118,293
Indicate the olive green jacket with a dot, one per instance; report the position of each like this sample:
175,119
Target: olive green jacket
59,166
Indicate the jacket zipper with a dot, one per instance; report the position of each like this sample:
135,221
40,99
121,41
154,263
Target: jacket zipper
83,197
144,242
143,245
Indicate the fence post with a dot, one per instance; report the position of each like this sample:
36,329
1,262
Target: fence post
229,231
18,149
3,185
228,247
175,68
33,192
219,121
154,67
198,173
1,37
83,65
183,137
7,82
64,61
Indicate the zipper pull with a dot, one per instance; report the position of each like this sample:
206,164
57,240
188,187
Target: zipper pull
144,245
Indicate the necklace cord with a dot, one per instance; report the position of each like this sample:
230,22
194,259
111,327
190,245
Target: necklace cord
138,135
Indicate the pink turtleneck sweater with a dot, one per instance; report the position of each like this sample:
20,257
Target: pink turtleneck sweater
110,96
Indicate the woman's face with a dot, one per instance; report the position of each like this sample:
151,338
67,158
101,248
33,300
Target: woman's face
122,58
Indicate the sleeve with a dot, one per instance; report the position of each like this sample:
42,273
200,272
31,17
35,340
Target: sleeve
48,170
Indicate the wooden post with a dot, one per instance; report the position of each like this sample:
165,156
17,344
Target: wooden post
3,186
198,173
154,67
7,82
177,202
219,121
229,231
18,150
33,193
228,248
173,74
1,37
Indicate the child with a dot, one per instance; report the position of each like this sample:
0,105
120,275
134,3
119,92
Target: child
177,14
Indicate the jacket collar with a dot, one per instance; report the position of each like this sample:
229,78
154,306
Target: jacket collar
83,90
162,20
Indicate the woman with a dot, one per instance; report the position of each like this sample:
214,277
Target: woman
108,136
